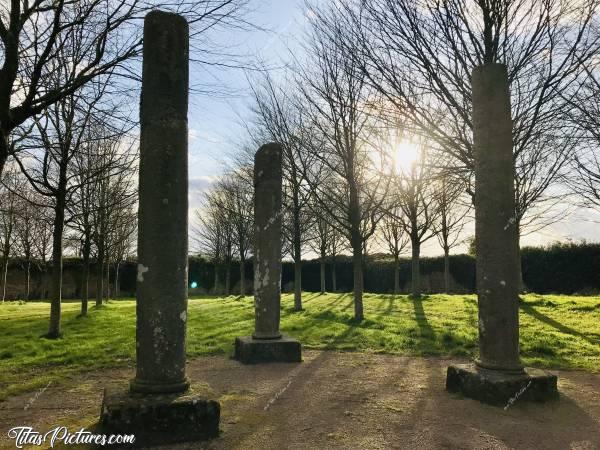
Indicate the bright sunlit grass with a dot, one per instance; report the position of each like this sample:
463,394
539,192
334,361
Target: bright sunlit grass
556,332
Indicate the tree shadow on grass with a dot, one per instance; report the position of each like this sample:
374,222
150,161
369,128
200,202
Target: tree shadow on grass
421,318
553,323
387,302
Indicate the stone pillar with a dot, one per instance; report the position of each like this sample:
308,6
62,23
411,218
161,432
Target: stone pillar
498,374
163,208
267,343
267,241
158,407
495,223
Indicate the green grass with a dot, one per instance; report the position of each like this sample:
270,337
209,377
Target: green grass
556,332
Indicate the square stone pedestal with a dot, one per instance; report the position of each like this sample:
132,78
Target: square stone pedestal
159,419
499,388
251,351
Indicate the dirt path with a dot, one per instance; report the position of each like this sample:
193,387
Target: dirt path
341,400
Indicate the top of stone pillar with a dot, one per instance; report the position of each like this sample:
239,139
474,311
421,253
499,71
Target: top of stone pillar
165,71
267,165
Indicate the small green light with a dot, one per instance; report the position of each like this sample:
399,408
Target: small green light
194,285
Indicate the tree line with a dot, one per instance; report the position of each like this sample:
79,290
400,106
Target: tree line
69,85
375,120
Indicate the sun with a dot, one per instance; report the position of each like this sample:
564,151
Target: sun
405,156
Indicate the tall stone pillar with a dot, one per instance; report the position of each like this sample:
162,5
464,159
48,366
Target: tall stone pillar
267,241
498,374
267,343
159,407
163,208
495,224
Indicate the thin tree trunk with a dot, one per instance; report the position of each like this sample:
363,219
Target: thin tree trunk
4,275
446,270
242,277
396,275
117,287
56,286
216,283
358,284
28,277
416,272
85,279
227,278
100,276
297,285
107,280
323,274
333,275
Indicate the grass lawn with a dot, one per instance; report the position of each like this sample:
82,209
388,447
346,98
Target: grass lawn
556,332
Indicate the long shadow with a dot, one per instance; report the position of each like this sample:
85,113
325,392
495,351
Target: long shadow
553,323
387,302
421,318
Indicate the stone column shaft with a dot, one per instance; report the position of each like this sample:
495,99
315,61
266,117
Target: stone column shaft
267,234
163,208
495,224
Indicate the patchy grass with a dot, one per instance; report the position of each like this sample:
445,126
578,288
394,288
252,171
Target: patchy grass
556,331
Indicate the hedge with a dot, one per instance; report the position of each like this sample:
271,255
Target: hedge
559,268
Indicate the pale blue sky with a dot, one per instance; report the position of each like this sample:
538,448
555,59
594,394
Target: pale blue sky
215,123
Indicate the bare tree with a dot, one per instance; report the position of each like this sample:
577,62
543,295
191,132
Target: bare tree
34,33
395,239
343,171
420,55
30,227
237,200
59,132
8,222
585,117
279,119
210,233
452,210
414,188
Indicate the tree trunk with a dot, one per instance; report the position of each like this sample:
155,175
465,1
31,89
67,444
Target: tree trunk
242,277
6,256
297,285
333,276
4,274
85,277
28,275
227,278
323,289
4,145
107,280
358,284
216,282
100,275
396,275
416,272
446,270
117,287
56,286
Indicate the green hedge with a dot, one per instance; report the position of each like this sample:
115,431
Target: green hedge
559,268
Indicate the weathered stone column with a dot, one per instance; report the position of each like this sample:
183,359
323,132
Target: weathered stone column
267,241
495,224
267,343
159,407
498,374
163,208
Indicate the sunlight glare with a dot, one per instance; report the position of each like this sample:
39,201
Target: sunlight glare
406,156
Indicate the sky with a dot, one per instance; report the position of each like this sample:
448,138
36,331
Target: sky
216,122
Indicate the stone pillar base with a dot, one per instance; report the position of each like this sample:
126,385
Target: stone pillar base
251,351
498,388
159,419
